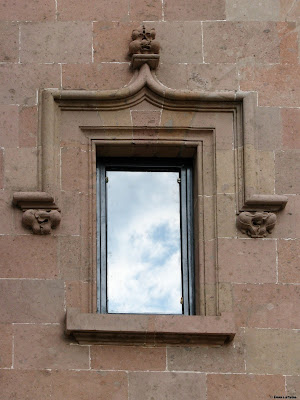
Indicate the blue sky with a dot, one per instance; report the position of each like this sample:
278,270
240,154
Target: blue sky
144,259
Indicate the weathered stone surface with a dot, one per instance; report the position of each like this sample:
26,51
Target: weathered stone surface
6,345
9,45
21,81
16,162
37,10
75,385
277,85
289,261
44,346
74,159
267,306
95,76
229,42
226,209
246,387
287,165
272,351
145,10
293,385
145,118
31,301
1,169
255,10
229,358
113,32
166,386
9,122
28,117
268,123
77,295
28,257
177,35
6,209
247,260
212,77
288,220
131,358
56,42
290,128
190,10
93,10
166,72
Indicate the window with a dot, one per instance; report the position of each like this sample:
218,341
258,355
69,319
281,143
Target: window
145,260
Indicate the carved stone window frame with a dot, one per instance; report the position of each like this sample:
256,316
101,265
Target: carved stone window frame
200,123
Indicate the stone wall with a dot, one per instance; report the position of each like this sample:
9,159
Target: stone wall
212,45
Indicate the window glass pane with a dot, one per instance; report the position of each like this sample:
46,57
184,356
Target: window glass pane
143,242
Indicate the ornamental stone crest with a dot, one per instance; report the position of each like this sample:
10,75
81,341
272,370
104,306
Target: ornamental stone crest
257,224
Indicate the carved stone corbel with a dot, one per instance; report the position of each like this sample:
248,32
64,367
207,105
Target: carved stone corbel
40,213
256,224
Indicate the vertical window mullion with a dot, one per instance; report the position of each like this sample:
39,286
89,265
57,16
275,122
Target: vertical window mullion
102,245
190,240
184,241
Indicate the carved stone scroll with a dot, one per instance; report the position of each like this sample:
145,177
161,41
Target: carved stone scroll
256,224
40,213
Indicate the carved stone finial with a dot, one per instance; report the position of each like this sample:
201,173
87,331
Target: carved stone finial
144,47
41,221
257,224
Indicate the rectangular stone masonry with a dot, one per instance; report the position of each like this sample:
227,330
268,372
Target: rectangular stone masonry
6,345
37,10
28,126
277,85
229,42
9,45
75,385
247,260
290,128
224,359
28,256
29,301
254,10
45,347
244,387
272,351
194,10
267,306
93,10
9,122
212,77
106,76
166,386
21,81
289,261
287,165
70,42
131,358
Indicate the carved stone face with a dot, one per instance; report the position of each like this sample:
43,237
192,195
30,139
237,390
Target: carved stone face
143,41
256,224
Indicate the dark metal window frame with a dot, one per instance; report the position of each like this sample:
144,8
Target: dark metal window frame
184,167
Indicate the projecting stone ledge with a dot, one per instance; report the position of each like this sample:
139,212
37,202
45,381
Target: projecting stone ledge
151,330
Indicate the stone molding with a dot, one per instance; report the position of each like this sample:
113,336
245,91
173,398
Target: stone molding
256,224
151,330
40,213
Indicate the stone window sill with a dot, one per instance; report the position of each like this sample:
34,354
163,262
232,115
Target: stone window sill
152,330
